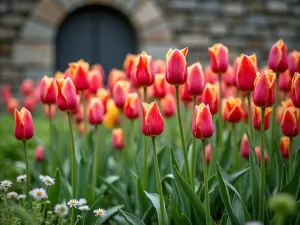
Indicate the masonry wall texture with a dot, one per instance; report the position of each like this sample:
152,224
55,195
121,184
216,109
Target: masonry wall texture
28,28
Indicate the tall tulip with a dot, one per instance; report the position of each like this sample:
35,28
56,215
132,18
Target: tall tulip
296,90
95,111
104,96
218,58
120,91
168,105
79,73
132,106
294,62
278,58
128,65
95,80
143,70
195,79
160,86
66,98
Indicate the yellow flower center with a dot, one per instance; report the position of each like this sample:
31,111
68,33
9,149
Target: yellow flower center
39,193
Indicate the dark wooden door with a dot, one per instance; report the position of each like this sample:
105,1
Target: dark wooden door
96,34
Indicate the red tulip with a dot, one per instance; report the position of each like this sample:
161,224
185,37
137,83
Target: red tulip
229,77
289,122
218,58
176,66
24,129
202,125
233,111
152,121
6,93
143,70
95,80
264,91
47,90
95,111
183,94
118,138
27,87
168,105
114,76
79,114
104,96
159,86
30,103
280,109
285,147
257,118
120,91
296,90
39,154
210,97
129,65
66,95
12,104
208,153
285,81
245,147
278,59
210,76
159,66
132,106
294,62
79,73
258,153
195,80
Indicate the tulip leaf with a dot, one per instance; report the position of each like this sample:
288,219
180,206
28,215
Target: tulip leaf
131,219
54,190
94,206
224,219
226,157
154,198
109,213
254,177
284,178
225,197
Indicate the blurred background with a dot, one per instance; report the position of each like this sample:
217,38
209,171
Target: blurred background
38,37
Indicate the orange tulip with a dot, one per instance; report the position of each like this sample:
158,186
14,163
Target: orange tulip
294,62
95,111
278,59
79,72
296,90
132,106
120,91
289,122
118,138
159,86
176,66
246,72
168,105
143,70
245,147
128,64
285,81
233,111
285,147
152,121
24,128
195,80
257,118
47,90
66,98
210,97
202,125
218,58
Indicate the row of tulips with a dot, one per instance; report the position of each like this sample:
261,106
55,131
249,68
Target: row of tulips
242,92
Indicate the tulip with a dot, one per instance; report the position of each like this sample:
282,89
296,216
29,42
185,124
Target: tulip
112,116
118,138
210,97
95,111
39,154
207,153
278,59
100,70
296,90
233,112
218,58
66,95
285,81
294,62
245,147
210,76
159,86
152,121
12,104
132,106
258,153
6,93
257,118
202,125
95,80
114,76
104,96
168,105
27,87
289,122
285,147
30,103
159,66
47,90
128,64
229,77
195,80
143,70
24,128
264,91
176,66
183,93
120,91
79,72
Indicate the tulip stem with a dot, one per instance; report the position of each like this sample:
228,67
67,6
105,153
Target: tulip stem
193,166
291,159
96,159
73,156
53,161
131,149
185,155
220,115
159,187
84,112
145,150
250,117
207,207
262,169
235,146
27,170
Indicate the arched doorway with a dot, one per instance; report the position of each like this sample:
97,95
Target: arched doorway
97,34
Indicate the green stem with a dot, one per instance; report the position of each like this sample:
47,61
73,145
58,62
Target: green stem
84,112
52,154
44,211
291,159
6,206
131,149
235,146
185,155
27,170
207,207
220,115
279,219
73,156
145,150
96,160
193,166
250,117
262,169
159,187
72,216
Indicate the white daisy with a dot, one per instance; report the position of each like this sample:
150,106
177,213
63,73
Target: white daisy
82,201
99,212
39,193
48,181
61,209
84,208
73,203
5,184
12,195
21,178
21,197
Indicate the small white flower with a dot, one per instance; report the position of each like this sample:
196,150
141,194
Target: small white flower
5,184
21,178
73,203
84,208
82,201
99,212
39,193
61,209
48,181
12,195
21,197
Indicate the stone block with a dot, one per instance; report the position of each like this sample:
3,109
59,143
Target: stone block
257,20
183,5
233,8
159,31
217,28
37,73
277,6
146,12
193,40
157,49
7,33
10,75
12,20
33,30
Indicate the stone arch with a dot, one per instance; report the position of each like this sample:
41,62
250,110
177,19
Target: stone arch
34,50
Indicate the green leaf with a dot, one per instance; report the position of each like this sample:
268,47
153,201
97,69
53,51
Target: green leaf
154,198
226,157
110,213
131,219
237,208
25,215
293,185
254,177
284,178
96,204
225,197
224,219
54,191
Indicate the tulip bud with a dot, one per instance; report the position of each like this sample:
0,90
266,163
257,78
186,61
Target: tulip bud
207,153
202,125
280,109
168,105
289,122
118,138
210,97
66,98
296,90
246,72
183,94
210,76
95,80
258,153
160,86
294,62
285,81
233,112
39,154
132,106
129,64
285,147
47,90
159,66
218,58
176,66
278,59
27,87
195,80
245,147
12,104
143,70
114,76
120,91
24,129
79,72
152,121
104,96
95,111
257,118
264,89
